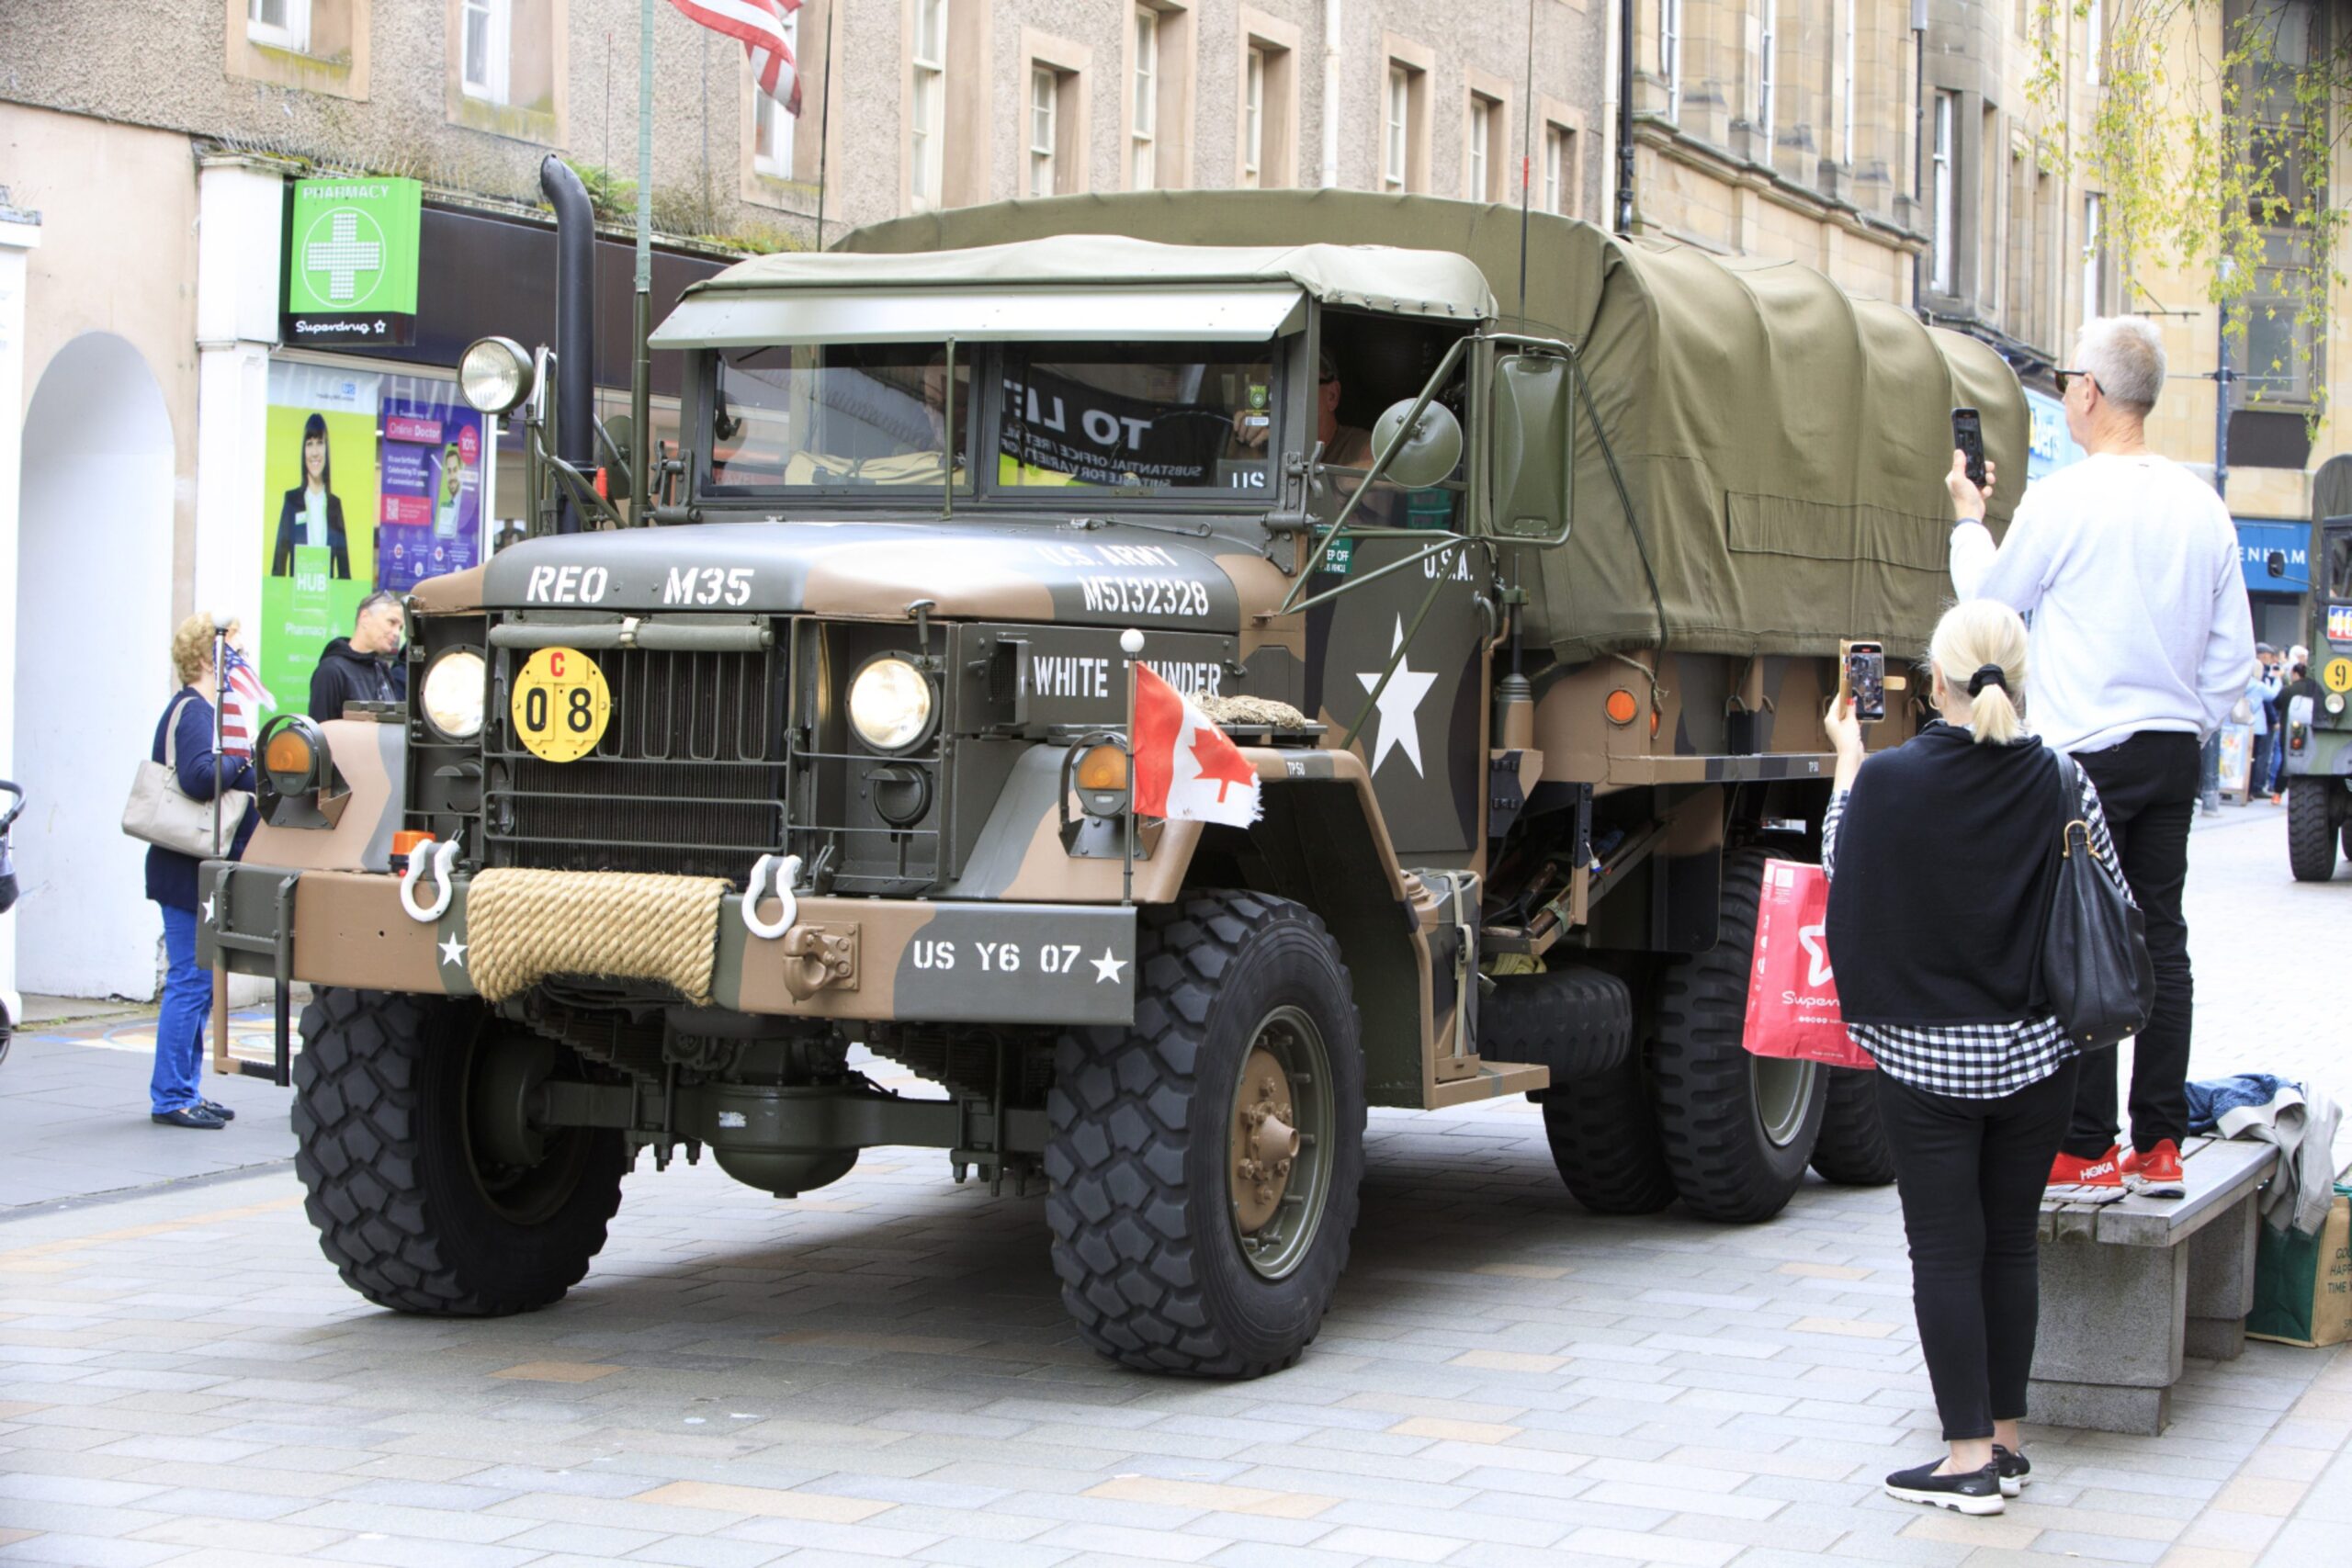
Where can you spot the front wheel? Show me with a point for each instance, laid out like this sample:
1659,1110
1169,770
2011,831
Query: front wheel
1205,1161
2310,829
1738,1129
430,1191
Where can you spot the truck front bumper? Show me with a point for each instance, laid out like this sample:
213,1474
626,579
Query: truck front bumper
907,960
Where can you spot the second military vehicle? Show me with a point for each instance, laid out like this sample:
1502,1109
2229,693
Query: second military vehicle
1523,594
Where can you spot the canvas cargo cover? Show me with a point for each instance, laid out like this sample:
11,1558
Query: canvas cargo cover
1783,443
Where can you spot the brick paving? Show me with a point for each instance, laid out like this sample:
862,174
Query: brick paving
882,1372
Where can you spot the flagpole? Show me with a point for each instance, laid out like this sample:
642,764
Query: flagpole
1131,644
640,391
824,123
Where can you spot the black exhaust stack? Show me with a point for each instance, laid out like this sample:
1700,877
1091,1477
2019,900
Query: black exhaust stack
576,323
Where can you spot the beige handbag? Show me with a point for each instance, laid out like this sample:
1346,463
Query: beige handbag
163,814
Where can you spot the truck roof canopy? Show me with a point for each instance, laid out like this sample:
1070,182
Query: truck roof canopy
1096,286
1783,443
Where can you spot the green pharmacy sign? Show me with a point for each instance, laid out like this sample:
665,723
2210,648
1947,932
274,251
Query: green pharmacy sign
351,261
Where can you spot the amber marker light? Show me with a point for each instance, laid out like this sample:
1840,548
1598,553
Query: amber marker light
407,840
1102,767
1620,707
289,754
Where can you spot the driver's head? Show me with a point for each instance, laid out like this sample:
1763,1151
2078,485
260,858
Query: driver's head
1326,396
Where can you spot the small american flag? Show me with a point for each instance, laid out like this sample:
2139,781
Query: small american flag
762,25
242,705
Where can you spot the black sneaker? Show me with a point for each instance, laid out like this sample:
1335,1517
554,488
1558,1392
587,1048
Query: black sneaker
188,1116
217,1109
2017,1471
1977,1492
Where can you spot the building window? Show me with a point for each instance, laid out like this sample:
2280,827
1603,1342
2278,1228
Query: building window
1559,169
1395,141
1669,54
1767,75
1143,152
2094,258
280,23
1253,119
927,122
1845,95
771,125
1044,85
2094,41
488,44
1945,231
1482,166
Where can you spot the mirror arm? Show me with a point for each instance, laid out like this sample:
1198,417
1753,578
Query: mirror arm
1378,471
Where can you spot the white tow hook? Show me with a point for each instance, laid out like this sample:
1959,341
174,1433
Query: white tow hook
786,870
440,857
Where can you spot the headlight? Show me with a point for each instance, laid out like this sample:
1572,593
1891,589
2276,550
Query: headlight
889,704
495,374
2335,701
452,694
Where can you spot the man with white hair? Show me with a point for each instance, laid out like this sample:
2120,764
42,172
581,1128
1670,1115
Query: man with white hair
2127,565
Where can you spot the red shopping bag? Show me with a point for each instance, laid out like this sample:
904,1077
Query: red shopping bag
1792,995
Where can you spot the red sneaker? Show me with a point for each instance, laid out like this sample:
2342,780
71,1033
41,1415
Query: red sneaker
2157,1172
2103,1174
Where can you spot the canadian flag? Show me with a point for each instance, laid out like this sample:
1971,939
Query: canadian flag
1185,767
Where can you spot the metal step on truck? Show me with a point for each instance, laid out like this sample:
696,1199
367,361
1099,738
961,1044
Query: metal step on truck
813,737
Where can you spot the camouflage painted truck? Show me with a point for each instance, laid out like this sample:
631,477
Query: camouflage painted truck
1524,618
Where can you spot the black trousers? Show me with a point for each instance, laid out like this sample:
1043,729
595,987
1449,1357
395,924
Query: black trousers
1971,1175
2148,788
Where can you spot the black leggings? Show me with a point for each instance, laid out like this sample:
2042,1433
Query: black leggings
1972,1173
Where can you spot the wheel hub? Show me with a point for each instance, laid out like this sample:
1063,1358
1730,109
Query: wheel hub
1265,1143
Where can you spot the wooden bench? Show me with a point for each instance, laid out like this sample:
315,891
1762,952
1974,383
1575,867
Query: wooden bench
2129,1285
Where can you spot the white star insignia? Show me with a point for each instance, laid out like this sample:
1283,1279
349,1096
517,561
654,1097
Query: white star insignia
1399,708
454,952
1107,967
208,911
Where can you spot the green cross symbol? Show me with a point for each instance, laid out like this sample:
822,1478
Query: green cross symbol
342,255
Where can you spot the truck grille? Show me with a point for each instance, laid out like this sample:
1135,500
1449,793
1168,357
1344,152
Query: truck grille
689,779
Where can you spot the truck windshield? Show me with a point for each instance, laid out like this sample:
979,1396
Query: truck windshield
857,417
1138,418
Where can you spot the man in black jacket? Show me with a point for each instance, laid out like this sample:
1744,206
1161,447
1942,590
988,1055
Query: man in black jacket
363,667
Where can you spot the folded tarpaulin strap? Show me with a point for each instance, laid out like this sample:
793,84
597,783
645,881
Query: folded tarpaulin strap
2267,1109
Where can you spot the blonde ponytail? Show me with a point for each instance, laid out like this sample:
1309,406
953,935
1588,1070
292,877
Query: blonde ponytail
1979,648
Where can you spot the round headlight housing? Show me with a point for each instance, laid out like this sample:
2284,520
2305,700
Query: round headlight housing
891,703
2334,702
451,695
495,374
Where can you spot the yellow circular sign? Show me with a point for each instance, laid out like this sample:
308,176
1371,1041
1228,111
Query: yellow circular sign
2337,675
561,705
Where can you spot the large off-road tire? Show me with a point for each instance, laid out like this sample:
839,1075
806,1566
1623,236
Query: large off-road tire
1578,1022
1738,1129
1605,1142
1167,1257
410,1209
2310,829
1852,1150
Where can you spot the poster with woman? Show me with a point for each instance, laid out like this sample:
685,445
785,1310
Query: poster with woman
429,520
319,491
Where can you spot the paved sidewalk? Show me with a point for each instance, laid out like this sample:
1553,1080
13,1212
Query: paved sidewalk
882,1372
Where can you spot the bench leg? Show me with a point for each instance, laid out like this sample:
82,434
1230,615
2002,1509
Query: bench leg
2221,1283
2109,1345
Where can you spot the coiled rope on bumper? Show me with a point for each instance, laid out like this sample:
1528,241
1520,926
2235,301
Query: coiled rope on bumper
523,926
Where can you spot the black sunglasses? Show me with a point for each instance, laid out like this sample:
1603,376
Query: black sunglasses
2063,377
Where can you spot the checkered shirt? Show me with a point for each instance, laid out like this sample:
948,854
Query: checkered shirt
1971,1061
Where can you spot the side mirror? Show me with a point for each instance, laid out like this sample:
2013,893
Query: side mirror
1533,448
1426,448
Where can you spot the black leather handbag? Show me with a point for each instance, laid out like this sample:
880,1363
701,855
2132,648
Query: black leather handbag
2095,965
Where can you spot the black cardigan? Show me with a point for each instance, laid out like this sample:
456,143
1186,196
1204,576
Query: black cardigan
1947,859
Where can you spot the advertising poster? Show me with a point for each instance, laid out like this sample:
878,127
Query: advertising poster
429,514
351,252
319,498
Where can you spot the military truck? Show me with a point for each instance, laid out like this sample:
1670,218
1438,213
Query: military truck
1524,618
2318,732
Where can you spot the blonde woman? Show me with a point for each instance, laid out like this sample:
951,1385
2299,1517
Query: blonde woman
186,725
1943,855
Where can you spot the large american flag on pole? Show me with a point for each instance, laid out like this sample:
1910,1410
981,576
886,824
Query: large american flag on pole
242,700
764,27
